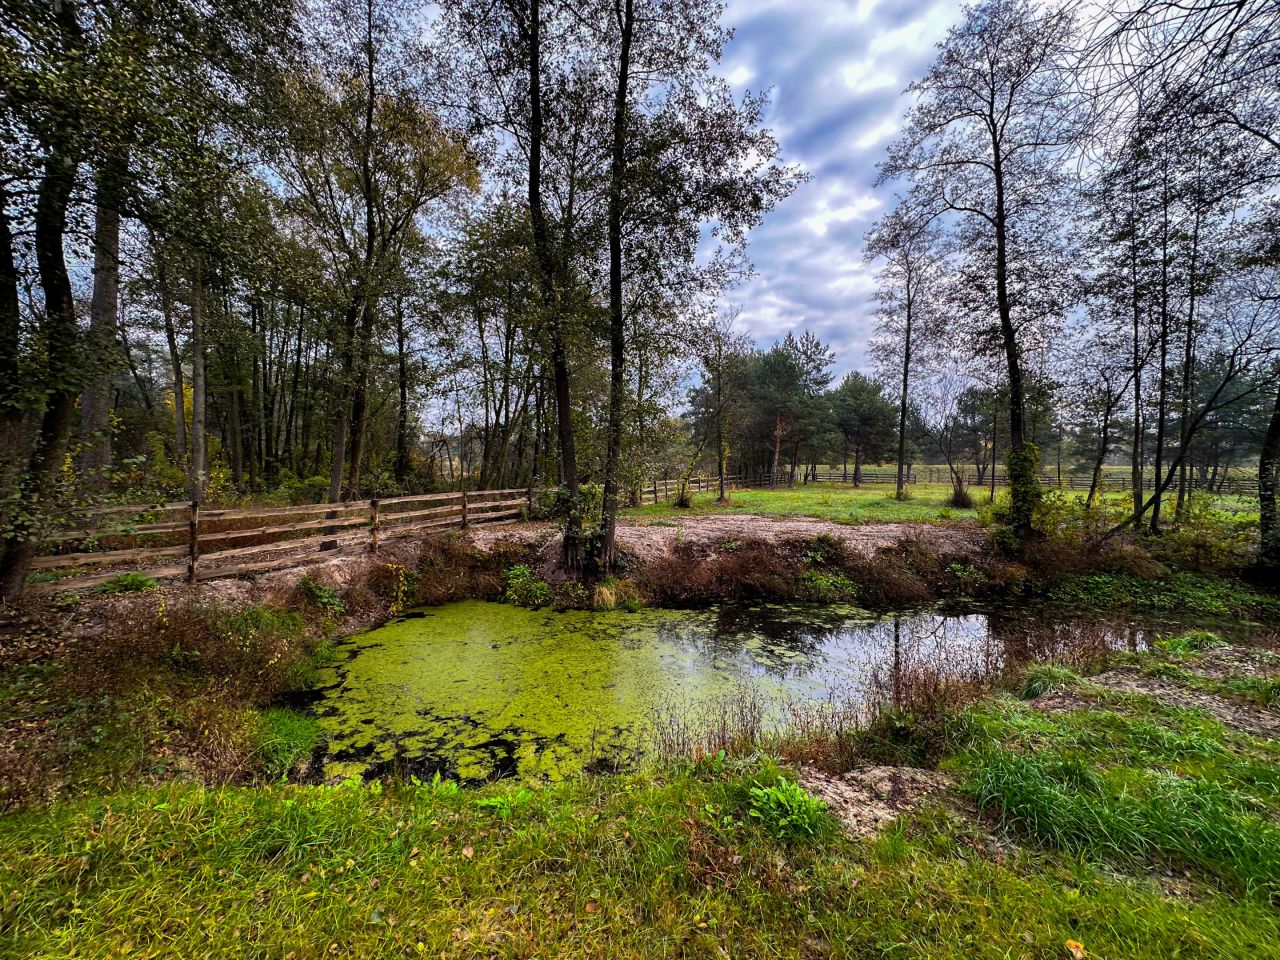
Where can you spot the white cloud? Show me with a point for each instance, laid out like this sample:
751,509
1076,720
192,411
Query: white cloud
862,76
882,131
740,75
820,221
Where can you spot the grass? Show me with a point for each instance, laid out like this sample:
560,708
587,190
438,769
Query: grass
871,503
1131,781
843,504
649,865
285,739
1186,595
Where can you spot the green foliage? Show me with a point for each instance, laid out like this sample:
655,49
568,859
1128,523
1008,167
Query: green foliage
131,582
320,595
505,804
1192,641
1045,678
828,586
968,577
437,786
1208,539
525,588
1024,485
788,811
285,739
1186,594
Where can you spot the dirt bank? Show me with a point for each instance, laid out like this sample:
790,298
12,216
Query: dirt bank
644,541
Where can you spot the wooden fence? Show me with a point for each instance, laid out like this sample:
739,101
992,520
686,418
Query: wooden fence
183,539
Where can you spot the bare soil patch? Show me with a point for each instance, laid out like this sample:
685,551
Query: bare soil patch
867,798
1241,716
1227,663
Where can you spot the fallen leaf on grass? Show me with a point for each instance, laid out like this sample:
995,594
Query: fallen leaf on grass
467,851
1076,949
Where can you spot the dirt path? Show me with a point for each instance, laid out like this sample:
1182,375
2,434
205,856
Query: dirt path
1245,717
645,540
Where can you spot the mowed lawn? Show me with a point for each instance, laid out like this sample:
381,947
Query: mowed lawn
875,503
871,503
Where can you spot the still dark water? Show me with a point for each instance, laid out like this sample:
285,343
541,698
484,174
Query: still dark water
477,690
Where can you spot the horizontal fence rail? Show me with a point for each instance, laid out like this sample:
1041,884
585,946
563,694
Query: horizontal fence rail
198,542
1234,486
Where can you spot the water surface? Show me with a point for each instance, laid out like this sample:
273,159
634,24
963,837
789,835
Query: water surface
478,690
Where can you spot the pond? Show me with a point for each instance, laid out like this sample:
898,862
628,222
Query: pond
478,690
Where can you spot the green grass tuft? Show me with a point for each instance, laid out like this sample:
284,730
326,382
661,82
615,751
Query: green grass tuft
284,740
1047,678
131,582
1191,642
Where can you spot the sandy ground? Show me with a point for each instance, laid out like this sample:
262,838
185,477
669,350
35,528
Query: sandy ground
645,540
865,799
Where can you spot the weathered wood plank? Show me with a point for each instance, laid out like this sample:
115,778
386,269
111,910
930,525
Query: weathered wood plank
57,562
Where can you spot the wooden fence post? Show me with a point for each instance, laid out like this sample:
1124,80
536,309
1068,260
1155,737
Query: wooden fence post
373,525
655,490
464,509
528,500
193,542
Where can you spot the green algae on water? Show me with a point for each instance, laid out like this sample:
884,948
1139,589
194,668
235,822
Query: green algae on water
478,690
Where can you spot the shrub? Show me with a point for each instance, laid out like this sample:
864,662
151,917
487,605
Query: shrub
525,588
788,811
961,498
1209,540
968,577
395,583
829,587
321,595
131,582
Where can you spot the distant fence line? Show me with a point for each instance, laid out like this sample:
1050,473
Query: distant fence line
1243,486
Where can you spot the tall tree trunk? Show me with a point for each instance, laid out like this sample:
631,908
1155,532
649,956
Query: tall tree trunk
903,397
199,467
12,403
547,288
1162,392
64,364
1136,451
360,401
402,465
1024,482
342,397
104,308
1188,370
617,318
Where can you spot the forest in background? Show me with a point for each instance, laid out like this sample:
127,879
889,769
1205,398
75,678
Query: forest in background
343,249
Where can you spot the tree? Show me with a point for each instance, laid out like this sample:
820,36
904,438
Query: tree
982,141
909,243
865,420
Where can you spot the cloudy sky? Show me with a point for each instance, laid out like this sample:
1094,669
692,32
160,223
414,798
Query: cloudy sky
836,69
